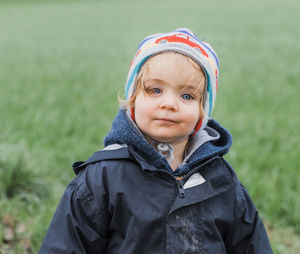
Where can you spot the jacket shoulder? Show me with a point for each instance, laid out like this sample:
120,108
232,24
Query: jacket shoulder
243,200
111,152
219,172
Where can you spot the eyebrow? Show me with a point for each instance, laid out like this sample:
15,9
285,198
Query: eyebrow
154,79
180,87
185,86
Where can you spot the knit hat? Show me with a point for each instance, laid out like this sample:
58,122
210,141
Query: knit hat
185,42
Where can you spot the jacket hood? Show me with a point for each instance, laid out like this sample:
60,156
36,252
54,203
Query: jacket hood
125,131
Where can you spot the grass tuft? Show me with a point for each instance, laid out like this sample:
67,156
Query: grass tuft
16,179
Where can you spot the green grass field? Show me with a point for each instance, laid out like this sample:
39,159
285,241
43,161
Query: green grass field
62,64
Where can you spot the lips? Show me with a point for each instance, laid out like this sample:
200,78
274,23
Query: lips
165,121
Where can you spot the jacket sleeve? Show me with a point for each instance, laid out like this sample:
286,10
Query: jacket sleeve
80,222
247,234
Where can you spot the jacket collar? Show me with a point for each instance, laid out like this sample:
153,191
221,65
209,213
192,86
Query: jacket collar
124,131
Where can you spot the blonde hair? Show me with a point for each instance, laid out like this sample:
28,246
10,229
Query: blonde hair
140,84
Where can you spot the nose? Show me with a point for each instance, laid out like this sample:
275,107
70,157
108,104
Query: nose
169,102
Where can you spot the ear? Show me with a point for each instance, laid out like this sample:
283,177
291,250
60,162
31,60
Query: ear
198,126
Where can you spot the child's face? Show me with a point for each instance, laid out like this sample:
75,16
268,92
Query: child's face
168,109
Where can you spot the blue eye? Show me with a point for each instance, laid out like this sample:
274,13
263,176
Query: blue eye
156,90
187,96
153,90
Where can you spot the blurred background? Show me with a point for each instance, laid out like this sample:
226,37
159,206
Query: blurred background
62,64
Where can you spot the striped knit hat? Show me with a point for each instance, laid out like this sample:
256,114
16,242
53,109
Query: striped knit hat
185,42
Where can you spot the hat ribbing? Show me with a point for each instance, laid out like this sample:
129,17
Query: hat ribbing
185,42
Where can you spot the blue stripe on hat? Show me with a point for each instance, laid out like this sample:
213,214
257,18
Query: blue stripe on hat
134,72
214,55
210,94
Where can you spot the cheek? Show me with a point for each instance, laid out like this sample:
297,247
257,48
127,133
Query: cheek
141,111
142,119
139,114
195,119
193,116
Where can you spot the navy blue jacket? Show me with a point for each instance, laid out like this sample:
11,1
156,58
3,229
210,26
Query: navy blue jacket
127,201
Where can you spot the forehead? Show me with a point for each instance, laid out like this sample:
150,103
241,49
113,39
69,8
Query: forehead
172,66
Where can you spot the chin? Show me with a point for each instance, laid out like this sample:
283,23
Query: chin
165,139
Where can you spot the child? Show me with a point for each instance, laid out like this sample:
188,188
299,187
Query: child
161,184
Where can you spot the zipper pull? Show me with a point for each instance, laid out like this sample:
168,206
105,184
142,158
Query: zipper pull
181,189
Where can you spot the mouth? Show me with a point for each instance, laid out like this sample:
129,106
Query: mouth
165,121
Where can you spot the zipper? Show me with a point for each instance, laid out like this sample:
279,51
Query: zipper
181,189
180,183
196,169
